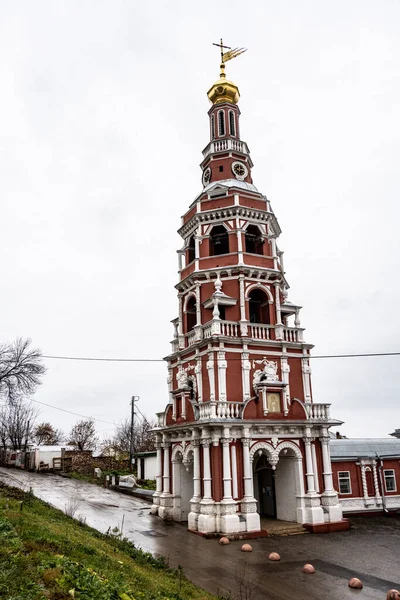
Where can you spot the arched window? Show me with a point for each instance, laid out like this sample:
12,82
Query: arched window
191,314
219,241
254,240
232,128
221,123
213,127
191,250
259,307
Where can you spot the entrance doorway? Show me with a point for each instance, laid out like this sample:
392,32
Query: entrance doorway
265,478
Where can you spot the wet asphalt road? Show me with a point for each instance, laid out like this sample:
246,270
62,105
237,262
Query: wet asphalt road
370,550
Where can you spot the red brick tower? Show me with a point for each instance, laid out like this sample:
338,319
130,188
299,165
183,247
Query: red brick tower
240,436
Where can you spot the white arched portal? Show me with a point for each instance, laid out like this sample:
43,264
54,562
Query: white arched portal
279,480
182,481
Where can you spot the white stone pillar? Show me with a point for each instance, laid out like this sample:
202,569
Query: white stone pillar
326,465
364,481
196,469
166,475
315,467
226,461
274,254
246,367
206,469
306,371
211,375
278,304
309,467
329,499
159,484
247,470
181,338
199,379
285,368
206,520
249,503
198,306
222,366
234,472
243,320
378,497
193,516
166,510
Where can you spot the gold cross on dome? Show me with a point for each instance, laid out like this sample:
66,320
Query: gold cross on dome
231,53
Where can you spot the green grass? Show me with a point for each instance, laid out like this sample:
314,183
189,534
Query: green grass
46,555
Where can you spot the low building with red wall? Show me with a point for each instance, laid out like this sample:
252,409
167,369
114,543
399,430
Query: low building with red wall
366,474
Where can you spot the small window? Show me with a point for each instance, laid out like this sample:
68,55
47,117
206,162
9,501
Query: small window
344,482
221,312
232,129
221,123
191,314
213,127
254,240
191,250
390,480
259,307
221,168
219,241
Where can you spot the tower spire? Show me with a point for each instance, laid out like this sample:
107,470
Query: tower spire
225,56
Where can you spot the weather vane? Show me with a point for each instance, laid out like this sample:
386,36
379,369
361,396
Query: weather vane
225,56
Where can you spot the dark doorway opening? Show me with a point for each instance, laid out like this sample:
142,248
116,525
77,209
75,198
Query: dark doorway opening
266,488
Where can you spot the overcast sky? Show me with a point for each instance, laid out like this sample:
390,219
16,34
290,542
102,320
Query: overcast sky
103,116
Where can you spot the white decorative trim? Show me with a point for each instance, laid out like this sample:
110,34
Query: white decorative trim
259,286
261,446
177,449
290,446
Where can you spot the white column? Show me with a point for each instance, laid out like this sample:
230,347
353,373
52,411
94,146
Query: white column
176,478
364,482
309,467
173,407
274,254
326,465
199,380
378,496
278,304
180,319
207,493
226,460
285,368
198,305
159,486
247,469
315,467
166,476
234,472
211,375
196,470
243,321
222,366
246,367
306,371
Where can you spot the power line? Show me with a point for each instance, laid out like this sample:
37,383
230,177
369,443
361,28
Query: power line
153,360
72,413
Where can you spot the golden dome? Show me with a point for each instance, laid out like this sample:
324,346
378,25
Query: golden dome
223,90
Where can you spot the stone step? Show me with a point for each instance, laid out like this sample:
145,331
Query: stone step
297,529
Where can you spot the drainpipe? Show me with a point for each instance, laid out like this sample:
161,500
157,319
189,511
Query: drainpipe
380,466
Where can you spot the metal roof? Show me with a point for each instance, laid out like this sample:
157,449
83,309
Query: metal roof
364,447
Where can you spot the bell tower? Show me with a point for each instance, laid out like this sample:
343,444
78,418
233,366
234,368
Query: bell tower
240,408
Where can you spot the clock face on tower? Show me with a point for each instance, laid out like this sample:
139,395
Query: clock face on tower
206,176
239,170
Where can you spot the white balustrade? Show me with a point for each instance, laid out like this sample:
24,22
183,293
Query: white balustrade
318,411
223,145
175,345
220,410
292,334
259,332
230,328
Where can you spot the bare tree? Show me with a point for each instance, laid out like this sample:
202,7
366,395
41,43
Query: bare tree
143,439
17,422
21,369
83,435
45,434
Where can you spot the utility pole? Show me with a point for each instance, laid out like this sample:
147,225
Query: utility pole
132,441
